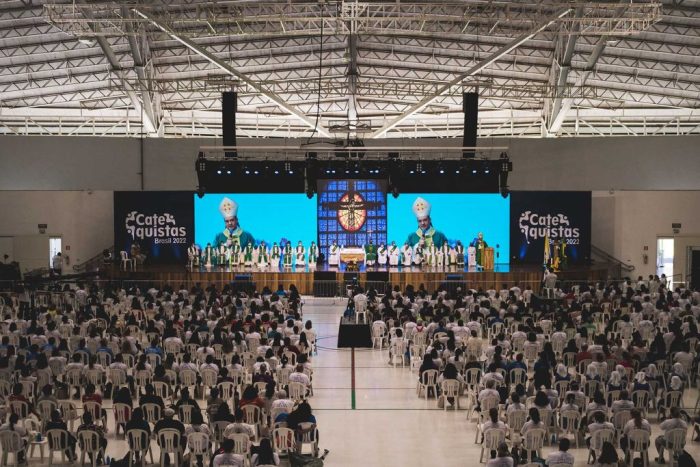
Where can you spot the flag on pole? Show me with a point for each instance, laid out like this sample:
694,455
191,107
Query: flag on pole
546,250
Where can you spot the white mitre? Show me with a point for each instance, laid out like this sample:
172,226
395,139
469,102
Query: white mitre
421,208
228,208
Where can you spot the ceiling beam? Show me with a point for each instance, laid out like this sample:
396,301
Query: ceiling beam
560,112
567,102
151,109
562,68
148,123
506,49
233,72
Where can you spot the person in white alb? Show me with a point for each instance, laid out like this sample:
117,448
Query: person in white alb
406,255
394,253
334,254
382,255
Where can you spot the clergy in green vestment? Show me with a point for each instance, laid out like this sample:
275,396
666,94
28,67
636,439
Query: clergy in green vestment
370,253
480,245
425,231
275,254
313,253
248,254
287,255
232,233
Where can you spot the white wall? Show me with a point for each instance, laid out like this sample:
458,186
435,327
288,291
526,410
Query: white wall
626,221
94,163
83,219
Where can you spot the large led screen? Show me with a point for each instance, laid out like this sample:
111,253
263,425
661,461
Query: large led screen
269,217
351,212
451,217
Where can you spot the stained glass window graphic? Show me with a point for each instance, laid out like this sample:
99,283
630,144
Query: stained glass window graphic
351,212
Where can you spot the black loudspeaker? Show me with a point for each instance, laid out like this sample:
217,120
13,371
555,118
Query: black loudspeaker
351,276
324,275
377,280
228,120
470,106
378,276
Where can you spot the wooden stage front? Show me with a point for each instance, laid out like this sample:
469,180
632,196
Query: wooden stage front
331,277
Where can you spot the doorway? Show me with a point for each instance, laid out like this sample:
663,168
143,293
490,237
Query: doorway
54,247
664,258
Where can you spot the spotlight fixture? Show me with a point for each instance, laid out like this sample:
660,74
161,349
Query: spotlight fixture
218,172
228,172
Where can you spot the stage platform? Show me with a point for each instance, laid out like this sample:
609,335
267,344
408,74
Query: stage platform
330,281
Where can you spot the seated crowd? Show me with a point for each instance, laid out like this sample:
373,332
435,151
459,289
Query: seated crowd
214,376
588,369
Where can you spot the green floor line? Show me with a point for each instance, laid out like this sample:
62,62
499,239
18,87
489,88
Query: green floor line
352,379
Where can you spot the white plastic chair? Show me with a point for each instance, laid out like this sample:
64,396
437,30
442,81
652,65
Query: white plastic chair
638,441
122,414
675,442
139,443
426,381
569,423
533,440
89,442
283,440
198,443
169,443
450,388
488,403
11,443
360,309
600,437
126,261
398,350
297,391
492,438
58,442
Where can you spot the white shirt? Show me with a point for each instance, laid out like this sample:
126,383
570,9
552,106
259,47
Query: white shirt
299,378
229,458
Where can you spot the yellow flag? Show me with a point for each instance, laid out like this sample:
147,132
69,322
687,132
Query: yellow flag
546,249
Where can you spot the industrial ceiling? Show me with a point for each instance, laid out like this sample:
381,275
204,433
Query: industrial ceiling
371,69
